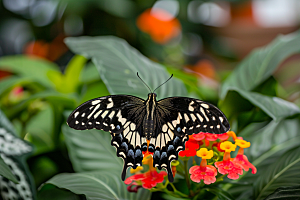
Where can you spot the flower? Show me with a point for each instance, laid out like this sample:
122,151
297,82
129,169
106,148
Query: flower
159,24
233,169
199,136
148,180
190,147
241,159
206,172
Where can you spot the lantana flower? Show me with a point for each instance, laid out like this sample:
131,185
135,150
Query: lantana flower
190,147
204,172
226,166
242,159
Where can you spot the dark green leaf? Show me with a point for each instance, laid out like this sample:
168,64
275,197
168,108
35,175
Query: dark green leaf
221,194
35,69
275,107
261,64
101,185
285,193
118,64
283,172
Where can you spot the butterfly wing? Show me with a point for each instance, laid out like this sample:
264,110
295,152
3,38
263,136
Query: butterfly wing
122,116
178,117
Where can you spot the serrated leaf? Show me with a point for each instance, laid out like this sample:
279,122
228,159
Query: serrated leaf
283,172
35,69
285,193
118,64
261,63
101,185
91,150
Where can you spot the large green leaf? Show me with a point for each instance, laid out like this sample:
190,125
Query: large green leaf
91,150
261,63
101,185
118,64
35,69
283,172
272,138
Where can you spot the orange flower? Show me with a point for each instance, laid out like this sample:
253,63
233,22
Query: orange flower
152,21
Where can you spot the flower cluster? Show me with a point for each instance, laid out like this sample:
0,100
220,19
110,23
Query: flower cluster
213,147
232,167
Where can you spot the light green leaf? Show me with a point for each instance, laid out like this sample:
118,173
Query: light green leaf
283,172
101,185
118,64
261,63
275,107
91,150
35,69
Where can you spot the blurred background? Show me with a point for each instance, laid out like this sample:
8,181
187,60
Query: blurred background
201,38
205,37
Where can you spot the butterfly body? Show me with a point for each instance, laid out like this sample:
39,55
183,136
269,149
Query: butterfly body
165,124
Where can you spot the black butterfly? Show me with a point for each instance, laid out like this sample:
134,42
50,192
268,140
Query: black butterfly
132,121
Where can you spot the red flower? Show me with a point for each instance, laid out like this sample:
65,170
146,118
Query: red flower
148,179
199,136
231,168
211,137
242,160
190,147
208,174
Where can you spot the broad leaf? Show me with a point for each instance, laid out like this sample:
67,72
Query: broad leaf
101,185
272,138
91,150
118,64
221,194
285,193
273,106
261,63
283,172
35,69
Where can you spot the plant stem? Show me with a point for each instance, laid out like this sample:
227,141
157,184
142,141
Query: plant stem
186,174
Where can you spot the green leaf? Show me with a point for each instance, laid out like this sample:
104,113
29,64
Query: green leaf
50,192
6,172
91,150
272,139
285,193
118,64
101,185
261,64
275,107
221,194
35,69
283,172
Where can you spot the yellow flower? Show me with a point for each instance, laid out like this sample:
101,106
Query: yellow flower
204,154
227,146
242,143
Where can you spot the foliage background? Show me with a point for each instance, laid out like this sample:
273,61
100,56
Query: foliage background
44,76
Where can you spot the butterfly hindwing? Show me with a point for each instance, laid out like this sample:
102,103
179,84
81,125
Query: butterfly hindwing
122,116
178,117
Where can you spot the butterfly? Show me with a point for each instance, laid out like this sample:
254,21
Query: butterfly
137,125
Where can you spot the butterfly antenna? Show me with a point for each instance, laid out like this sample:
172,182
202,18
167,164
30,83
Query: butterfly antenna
164,82
144,82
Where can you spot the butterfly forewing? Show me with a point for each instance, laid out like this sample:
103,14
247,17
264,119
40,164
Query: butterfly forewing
188,116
